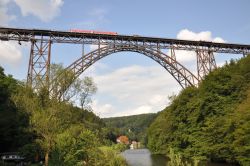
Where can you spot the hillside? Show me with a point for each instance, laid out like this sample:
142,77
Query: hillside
211,122
42,128
132,126
16,104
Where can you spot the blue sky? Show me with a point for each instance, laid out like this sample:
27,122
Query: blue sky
138,84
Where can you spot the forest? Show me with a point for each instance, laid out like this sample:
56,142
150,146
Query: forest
43,128
208,123
134,126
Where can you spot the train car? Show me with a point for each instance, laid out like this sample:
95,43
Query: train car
93,32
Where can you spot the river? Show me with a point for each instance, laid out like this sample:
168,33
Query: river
143,157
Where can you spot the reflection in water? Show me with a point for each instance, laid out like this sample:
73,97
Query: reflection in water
138,157
143,157
159,160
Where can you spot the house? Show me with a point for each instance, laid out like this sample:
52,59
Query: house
135,145
12,157
123,139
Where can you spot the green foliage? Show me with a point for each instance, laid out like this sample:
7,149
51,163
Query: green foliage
31,152
134,127
87,89
76,146
63,80
42,127
119,147
51,121
13,122
241,135
111,157
210,122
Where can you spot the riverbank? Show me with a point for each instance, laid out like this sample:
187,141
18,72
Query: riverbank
143,157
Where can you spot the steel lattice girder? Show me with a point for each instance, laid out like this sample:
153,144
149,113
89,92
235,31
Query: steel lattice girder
38,73
39,64
103,39
205,63
183,76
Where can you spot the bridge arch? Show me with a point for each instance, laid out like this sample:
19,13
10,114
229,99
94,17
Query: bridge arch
181,74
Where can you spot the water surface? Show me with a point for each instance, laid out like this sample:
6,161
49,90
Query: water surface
143,157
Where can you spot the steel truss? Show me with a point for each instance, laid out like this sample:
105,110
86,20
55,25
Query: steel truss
87,38
205,63
182,75
39,64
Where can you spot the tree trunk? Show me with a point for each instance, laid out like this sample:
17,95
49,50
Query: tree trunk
47,158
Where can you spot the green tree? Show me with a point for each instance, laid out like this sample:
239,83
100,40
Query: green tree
63,84
87,89
210,122
13,122
77,146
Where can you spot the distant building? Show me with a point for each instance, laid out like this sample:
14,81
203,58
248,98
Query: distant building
123,139
135,145
12,157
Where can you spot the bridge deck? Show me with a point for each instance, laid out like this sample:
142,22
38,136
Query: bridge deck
90,38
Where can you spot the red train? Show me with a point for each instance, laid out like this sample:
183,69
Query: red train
92,31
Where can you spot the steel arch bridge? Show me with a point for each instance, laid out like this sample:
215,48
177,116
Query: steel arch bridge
41,42
182,75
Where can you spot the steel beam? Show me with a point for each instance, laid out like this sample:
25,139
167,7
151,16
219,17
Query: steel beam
103,39
205,63
39,64
183,76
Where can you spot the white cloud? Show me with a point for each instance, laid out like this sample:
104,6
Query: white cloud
100,109
138,89
93,47
5,17
219,40
183,56
10,53
94,68
185,34
46,10
143,109
133,90
133,78
157,99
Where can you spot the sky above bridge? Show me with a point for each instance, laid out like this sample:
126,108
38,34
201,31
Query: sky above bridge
128,83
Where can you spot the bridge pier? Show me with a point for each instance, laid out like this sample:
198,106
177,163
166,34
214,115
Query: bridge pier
205,63
39,63
172,55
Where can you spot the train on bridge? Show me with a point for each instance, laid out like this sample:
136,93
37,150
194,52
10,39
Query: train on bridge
93,32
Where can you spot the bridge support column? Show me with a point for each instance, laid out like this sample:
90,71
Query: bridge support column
205,63
172,53
39,64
